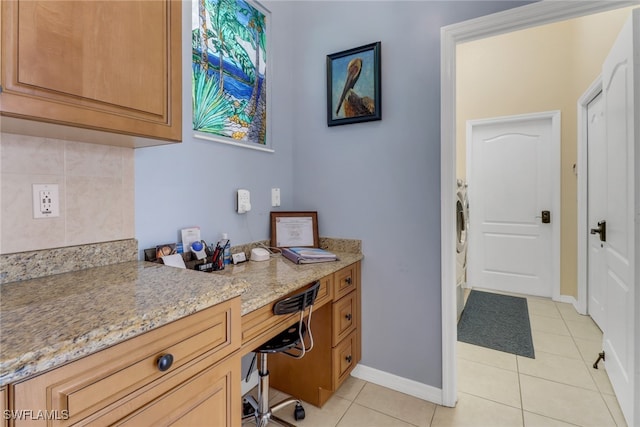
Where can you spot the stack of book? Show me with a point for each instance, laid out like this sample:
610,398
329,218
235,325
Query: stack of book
308,255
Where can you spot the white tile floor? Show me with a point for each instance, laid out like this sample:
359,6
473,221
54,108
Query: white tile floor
557,388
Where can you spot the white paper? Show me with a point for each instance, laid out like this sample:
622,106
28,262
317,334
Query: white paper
190,235
294,231
174,260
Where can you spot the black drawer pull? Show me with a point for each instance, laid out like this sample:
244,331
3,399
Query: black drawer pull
348,316
348,359
164,362
348,280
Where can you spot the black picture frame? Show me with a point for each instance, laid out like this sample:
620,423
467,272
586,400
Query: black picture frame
353,85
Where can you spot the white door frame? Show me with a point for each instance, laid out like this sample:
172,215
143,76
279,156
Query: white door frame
531,15
582,166
555,207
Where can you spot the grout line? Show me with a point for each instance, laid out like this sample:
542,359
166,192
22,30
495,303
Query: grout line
561,383
385,414
489,400
555,419
520,390
351,402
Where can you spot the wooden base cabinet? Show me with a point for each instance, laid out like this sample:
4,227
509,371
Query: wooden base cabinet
3,407
112,66
337,345
135,384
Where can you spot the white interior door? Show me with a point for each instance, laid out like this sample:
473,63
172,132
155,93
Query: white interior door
621,96
596,207
513,170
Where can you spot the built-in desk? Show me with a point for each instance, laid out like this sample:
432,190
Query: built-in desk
335,321
87,345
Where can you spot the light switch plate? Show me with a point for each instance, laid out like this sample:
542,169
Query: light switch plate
275,197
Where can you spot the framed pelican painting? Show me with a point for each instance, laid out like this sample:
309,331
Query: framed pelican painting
353,85
230,66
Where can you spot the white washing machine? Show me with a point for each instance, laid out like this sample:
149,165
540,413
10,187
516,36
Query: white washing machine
462,230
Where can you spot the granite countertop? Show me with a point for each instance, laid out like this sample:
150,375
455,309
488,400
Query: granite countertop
48,321
52,320
273,279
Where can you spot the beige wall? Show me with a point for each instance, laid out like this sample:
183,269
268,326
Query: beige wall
96,185
538,69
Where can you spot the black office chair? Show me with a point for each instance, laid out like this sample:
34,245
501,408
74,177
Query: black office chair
290,342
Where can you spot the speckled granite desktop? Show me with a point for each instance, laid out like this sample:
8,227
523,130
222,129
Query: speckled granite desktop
51,320
45,262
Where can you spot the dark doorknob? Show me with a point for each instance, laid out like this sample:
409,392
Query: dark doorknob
546,217
601,230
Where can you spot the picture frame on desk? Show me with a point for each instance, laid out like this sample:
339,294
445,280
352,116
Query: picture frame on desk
294,228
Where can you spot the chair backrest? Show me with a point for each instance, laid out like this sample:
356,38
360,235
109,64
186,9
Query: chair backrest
297,302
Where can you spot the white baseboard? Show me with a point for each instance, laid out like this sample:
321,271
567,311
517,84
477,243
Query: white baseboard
394,382
570,300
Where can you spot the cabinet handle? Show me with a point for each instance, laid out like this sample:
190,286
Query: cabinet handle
348,316
348,280
164,362
348,359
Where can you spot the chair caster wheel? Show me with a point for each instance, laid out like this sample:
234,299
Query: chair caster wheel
247,408
298,413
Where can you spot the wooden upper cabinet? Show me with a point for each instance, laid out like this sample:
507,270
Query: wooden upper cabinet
113,66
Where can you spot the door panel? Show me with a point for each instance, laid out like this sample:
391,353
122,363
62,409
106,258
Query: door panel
596,200
510,182
621,94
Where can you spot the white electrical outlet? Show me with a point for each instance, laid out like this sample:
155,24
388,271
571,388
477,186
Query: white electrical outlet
275,197
46,201
243,201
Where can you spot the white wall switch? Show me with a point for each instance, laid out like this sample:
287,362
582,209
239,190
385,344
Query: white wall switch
46,201
275,197
243,201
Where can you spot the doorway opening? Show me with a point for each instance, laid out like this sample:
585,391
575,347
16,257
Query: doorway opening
524,17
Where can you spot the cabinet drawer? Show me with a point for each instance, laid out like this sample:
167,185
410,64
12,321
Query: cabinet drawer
344,360
95,382
261,325
210,398
345,281
325,292
344,317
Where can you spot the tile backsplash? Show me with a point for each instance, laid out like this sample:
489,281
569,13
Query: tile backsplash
96,188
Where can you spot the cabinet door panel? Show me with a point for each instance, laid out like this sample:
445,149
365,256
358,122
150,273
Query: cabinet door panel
111,66
209,398
70,48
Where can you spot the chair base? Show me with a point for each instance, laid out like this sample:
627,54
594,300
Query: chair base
263,418
262,413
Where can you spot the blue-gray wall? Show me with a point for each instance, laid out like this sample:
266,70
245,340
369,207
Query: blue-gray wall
194,183
375,181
